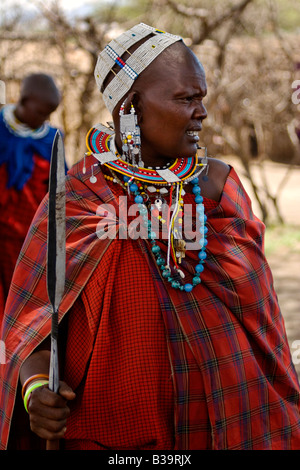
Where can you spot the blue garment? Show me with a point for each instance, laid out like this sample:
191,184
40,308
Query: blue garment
17,152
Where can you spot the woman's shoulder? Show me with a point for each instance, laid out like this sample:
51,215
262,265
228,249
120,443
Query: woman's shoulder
218,168
212,186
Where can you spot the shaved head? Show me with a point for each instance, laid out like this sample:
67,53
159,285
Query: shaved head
176,56
39,98
40,86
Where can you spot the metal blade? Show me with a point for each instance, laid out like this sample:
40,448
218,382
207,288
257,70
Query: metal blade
56,257
56,254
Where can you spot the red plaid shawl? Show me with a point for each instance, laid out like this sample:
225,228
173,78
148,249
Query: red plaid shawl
227,336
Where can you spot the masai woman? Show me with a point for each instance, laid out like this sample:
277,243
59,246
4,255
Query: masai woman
171,334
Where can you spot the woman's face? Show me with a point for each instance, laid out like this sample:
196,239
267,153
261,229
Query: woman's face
170,108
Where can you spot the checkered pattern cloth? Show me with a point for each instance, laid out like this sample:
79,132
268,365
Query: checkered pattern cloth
129,381
17,208
226,340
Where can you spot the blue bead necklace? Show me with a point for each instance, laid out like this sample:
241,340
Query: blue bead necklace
161,261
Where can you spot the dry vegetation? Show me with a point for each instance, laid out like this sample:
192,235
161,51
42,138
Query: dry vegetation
250,67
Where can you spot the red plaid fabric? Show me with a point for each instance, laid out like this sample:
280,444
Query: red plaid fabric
17,209
234,383
135,404
129,376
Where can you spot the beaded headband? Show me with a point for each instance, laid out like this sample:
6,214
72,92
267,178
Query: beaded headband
138,60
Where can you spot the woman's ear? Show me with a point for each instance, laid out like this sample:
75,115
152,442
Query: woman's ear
131,99
136,101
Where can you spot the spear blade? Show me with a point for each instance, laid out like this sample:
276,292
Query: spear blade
56,249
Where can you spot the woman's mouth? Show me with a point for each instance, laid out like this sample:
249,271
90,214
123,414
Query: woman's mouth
194,135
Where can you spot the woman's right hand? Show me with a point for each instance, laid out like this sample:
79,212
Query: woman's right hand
48,411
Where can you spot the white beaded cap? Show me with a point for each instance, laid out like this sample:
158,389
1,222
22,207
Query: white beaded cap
134,65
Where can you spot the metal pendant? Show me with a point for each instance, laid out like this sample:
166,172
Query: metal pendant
180,247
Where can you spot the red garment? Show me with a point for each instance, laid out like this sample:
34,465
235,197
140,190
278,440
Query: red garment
17,209
127,398
226,339
133,407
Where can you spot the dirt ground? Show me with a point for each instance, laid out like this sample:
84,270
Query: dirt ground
285,259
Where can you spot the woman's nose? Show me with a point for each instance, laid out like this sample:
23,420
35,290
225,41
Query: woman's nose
200,111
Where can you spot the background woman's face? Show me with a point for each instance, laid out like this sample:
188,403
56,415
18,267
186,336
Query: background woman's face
35,111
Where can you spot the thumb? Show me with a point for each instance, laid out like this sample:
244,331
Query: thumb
65,391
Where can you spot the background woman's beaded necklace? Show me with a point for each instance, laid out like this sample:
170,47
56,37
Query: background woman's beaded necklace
20,129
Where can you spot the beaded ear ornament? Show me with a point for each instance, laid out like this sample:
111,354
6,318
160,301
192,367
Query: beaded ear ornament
131,137
148,183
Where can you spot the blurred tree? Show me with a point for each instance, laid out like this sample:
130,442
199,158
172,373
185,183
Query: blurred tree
248,57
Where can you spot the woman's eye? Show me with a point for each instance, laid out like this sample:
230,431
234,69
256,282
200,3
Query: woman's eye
194,98
189,99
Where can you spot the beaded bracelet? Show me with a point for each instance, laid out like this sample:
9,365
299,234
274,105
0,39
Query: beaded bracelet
30,379
30,390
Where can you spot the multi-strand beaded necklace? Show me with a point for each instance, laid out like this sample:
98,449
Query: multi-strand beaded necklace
150,188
